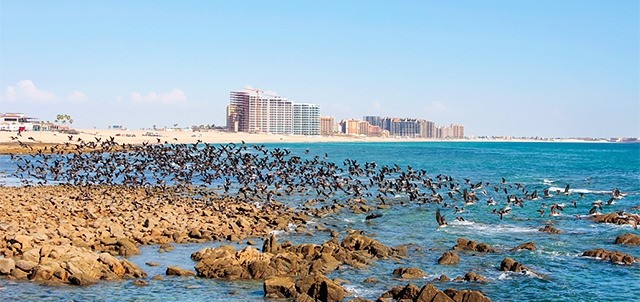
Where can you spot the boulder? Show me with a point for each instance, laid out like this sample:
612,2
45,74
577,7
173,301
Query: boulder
449,258
473,277
430,293
320,288
464,244
613,256
20,243
324,264
408,273
466,295
26,265
442,278
629,239
126,248
510,265
6,266
614,218
549,229
270,244
525,246
359,242
177,271
279,287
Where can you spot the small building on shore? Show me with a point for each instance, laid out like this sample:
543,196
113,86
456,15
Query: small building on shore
21,122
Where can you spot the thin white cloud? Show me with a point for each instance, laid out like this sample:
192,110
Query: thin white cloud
175,96
78,96
377,105
26,91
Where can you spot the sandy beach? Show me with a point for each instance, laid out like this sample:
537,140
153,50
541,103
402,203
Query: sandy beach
137,137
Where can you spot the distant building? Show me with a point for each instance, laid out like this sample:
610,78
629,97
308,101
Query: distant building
17,122
306,119
327,125
374,120
253,111
350,126
458,131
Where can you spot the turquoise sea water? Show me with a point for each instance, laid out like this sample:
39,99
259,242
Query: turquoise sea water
594,169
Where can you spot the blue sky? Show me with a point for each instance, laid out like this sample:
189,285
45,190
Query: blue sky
522,68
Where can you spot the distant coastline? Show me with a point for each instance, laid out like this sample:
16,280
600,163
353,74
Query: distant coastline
135,137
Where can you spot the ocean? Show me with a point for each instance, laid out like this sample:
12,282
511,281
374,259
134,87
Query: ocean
593,169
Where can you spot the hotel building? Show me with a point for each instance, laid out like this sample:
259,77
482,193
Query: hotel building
254,111
306,119
327,125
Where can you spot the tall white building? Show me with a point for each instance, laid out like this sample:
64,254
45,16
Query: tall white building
306,119
253,111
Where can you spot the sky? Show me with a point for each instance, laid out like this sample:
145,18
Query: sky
519,68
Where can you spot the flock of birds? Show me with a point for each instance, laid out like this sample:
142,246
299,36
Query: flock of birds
258,174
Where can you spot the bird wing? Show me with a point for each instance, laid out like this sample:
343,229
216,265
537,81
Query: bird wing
439,218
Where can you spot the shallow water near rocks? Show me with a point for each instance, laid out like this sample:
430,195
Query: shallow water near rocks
591,168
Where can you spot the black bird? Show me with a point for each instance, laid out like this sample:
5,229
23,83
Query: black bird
442,222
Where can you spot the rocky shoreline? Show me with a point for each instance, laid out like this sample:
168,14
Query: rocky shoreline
81,234
75,235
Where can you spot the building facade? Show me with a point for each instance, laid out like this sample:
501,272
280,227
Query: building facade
327,125
253,111
306,119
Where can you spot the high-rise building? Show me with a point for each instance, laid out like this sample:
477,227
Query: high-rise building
427,129
306,119
458,131
254,111
350,126
327,125
374,120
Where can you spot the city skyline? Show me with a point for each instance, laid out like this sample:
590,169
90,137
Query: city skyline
549,69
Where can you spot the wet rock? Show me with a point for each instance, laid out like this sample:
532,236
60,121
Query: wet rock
177,271
126,248
358,242
430,293
81,280
449,258
464,244
411,292
549,229
443,278
510,265
152,263
408,273
628,239
320,288
157,278
466,295
525,246
165,248
279,287
371,280
270,244
140,283
472,277
614,218
613,256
